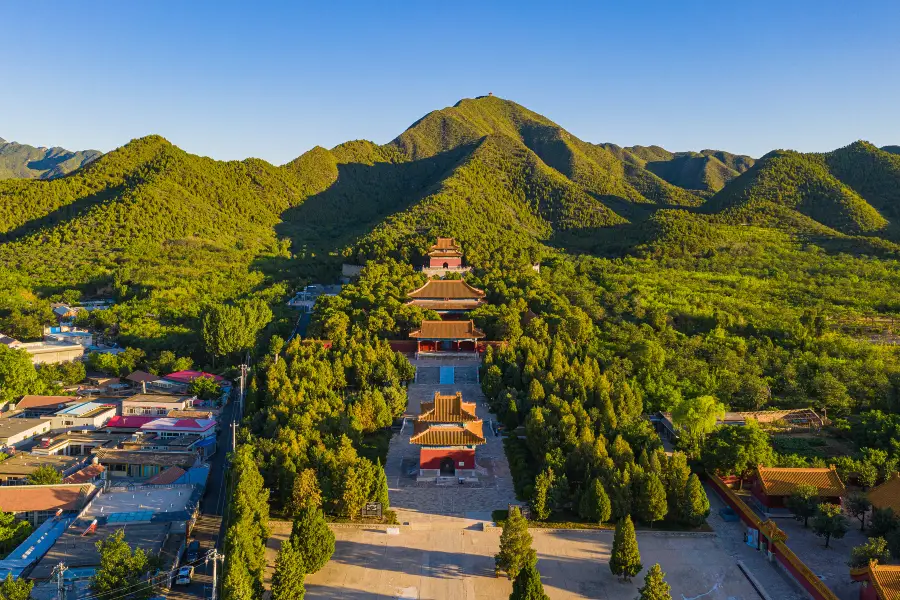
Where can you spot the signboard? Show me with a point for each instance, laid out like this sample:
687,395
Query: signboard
523,508
372,510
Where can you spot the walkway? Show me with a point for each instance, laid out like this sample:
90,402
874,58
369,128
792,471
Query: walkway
425,504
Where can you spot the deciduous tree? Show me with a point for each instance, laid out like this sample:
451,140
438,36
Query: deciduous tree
829,522
803,502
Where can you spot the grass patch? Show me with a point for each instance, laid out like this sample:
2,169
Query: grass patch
388,517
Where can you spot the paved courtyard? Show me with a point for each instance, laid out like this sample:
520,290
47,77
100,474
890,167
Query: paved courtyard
458,564
454,505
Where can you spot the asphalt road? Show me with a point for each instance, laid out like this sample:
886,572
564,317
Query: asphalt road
208,529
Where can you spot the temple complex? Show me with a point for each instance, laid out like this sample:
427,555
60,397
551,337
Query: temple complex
448,297
447,432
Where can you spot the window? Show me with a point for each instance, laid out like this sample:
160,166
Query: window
161,411
119,468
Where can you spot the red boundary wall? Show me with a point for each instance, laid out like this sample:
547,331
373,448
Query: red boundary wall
773,540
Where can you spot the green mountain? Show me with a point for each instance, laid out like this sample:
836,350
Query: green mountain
852,190
20,161
167,233
703,172
891,149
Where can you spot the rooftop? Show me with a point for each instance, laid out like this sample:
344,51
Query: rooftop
174,424
887,495
45,401
783,481
167,477
447,330
85,475
24,498
143,376
443,435
159,398
86,409
885,579
24,463
448,409
143,499
128,422
17,425
146,457
447,289
189,376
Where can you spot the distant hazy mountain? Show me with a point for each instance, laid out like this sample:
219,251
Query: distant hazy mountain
20,161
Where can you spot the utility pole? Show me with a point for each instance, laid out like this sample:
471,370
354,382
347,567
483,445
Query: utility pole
61,581
233,435
215,558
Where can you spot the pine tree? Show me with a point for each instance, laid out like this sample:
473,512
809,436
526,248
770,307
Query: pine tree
516,552
677,474
541,500
287,582
511,416
313,539
380,488
595,505
652,501
695,508
305,492
625,558
528,586
655,586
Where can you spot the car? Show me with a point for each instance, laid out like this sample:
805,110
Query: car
185,574
192,552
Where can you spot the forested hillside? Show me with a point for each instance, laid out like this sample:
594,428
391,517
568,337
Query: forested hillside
170,236
21,161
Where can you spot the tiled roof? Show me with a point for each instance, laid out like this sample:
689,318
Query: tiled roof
885,579
26,498
146,457
887,495
170,475
783,481
447,330
172,424
143,376
85,475
439,305
444,243
448,409
189,376
446,289
447,436
445,247
129,422
44,401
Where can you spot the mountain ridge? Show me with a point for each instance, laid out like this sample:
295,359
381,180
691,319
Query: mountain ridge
21,161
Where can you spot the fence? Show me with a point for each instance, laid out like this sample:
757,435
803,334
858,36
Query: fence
774,540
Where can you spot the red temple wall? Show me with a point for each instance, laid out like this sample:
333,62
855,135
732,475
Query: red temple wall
430,458
437,262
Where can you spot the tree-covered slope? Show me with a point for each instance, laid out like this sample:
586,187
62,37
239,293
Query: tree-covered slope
801,183
21,161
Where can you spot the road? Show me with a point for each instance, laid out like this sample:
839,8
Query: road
208,529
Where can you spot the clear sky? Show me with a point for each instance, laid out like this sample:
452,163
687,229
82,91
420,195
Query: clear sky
271,80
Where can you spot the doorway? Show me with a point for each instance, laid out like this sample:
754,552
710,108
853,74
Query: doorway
448,467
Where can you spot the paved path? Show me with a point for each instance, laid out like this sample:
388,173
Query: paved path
425,504
731,538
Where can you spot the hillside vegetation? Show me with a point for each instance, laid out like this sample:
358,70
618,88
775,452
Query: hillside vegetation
169,234
21,161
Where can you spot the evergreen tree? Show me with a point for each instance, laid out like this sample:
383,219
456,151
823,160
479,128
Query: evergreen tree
541,501
595,505
516,552
625,558
677,474
511,415
287,582
245,540
305,492
652,502
655,586
380,488
15,588
313,539
696,503
528,586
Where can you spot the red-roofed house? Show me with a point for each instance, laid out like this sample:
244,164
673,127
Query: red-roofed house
126,423
167,427
37,503
45,405
89,474
179,381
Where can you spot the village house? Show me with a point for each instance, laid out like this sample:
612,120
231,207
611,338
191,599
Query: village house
772,485
142,464
81,417
447,431
37,406
157,405
17,431
37,503
16,469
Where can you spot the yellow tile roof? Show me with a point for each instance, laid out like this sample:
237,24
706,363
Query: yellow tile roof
447,330
885,579
447,436
448,409
446,289
439,305
887,495
783,481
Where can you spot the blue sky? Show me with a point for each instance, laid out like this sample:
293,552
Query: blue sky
271,80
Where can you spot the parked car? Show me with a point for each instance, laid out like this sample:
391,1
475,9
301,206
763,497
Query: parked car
192,552
185,574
